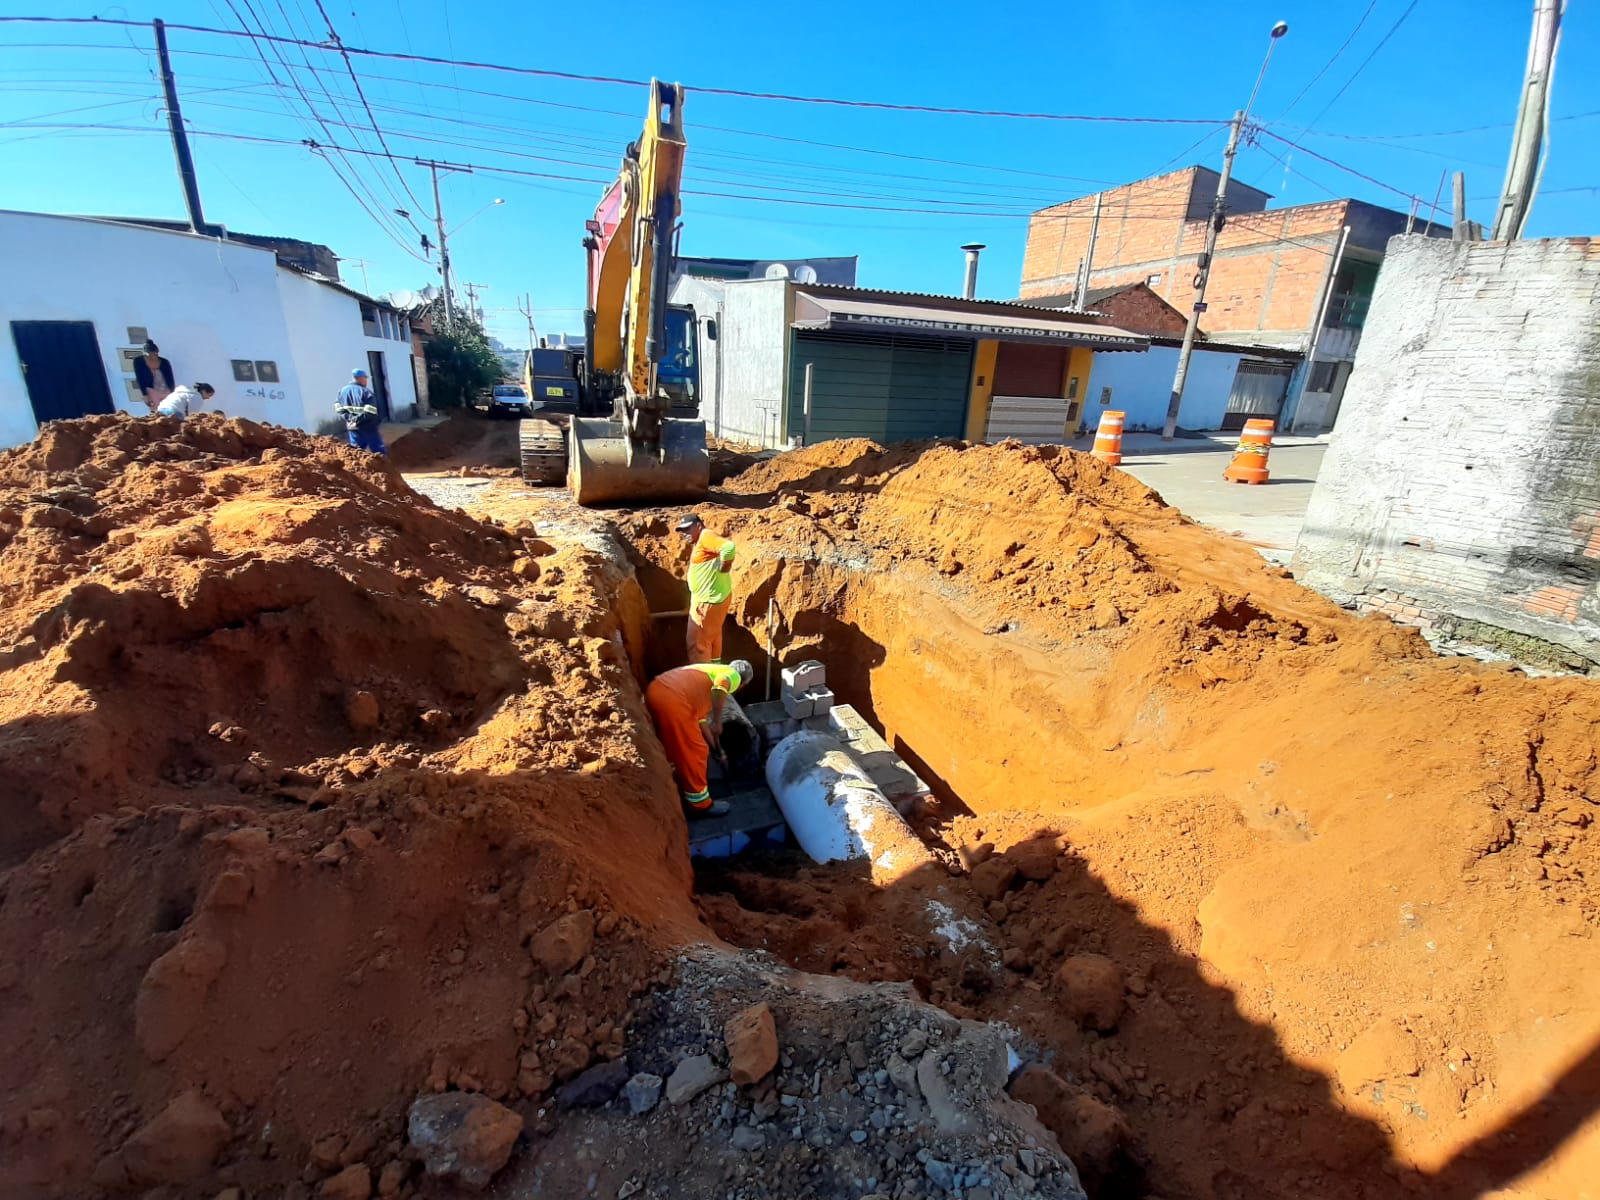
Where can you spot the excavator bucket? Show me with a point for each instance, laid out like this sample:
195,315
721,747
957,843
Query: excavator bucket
599,471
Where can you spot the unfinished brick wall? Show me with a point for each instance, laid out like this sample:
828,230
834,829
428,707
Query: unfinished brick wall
1142,311
1267,277
1463,481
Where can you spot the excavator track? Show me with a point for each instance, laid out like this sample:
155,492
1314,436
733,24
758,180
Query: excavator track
543,445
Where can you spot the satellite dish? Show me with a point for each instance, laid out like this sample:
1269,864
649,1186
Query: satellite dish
777,271
805,273
405,299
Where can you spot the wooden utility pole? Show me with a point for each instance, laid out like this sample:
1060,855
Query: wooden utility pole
180,136
1527,132
1202,273
1088,258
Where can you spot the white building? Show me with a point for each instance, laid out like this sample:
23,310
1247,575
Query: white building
81,296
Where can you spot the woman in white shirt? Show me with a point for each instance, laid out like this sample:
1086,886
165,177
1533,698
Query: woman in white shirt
182,398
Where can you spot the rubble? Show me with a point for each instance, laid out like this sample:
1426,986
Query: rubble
463,1137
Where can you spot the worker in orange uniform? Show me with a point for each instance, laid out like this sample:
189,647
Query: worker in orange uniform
686,705
710,588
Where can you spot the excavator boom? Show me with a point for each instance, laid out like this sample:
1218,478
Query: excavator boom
639,452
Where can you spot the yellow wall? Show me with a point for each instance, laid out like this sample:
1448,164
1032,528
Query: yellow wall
982,388
1078,363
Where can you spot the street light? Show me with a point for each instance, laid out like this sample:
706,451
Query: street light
1218,218
475,216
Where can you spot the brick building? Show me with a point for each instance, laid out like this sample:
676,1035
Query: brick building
1275,270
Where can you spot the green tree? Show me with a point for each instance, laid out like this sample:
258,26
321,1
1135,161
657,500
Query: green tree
460,362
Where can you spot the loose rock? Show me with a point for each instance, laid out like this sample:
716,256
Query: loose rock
693,1076
463,1135
752,1041
642,1093
352,1183
1091,987
596,1086
565,942
179,1145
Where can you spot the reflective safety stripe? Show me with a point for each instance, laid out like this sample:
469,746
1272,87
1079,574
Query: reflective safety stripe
697,799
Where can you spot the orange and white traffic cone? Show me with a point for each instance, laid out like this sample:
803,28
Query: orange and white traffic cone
1108,437
1249,463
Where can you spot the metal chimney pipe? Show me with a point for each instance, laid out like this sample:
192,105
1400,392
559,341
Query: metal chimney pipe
970,288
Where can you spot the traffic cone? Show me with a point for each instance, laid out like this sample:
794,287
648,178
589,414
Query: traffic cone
1249,463
1108,437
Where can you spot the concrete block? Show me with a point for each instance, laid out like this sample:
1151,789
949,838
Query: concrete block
796,705
804,676
821,701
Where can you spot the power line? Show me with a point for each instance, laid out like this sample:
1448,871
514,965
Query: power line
1388,187
612,79
1325,66
333,34
369,202
1383,41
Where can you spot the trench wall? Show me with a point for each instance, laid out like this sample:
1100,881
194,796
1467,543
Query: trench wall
1461,485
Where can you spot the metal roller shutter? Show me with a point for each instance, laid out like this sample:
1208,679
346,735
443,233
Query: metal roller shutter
880,386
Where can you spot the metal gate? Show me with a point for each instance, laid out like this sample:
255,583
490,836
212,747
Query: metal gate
62,365
1258,391
881,386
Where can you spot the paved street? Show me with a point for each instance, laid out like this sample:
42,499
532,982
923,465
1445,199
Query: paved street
1188,473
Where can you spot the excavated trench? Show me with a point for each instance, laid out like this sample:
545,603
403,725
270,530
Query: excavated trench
1165,790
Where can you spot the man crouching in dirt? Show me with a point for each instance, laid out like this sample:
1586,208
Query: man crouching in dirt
710,588
686,706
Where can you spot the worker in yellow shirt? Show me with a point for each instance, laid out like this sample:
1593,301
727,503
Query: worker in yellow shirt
710,588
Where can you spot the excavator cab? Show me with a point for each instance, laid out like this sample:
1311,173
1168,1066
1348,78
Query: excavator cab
641,355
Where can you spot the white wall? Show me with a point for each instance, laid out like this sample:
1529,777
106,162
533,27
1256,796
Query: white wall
744,372
205,302
1141,386
325,329
754,330
1461,481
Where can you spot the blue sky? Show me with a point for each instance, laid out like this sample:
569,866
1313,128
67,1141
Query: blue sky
772,178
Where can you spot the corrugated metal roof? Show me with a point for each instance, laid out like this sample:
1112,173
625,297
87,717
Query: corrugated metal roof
853,308
834,289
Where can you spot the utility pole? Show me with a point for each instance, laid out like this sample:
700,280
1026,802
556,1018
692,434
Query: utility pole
1219,218
1088,259
444,250
1533,113
525,307
473,310
1202,275
180,136
438,224
1460,231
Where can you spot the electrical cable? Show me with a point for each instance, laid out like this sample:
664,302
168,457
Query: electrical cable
1325,66
333,34
611,79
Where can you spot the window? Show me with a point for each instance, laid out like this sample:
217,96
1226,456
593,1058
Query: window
1321,376
1154,280
369,321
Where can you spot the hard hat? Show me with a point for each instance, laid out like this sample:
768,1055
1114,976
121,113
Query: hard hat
688,523
358,373
746,671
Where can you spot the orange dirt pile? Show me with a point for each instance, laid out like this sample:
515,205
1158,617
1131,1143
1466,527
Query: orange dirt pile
1348,887
310,791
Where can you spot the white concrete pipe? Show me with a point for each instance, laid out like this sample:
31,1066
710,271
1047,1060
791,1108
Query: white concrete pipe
835,811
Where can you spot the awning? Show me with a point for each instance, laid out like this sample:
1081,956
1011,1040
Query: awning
839,313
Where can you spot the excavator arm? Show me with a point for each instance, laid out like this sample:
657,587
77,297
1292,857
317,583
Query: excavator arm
638,452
